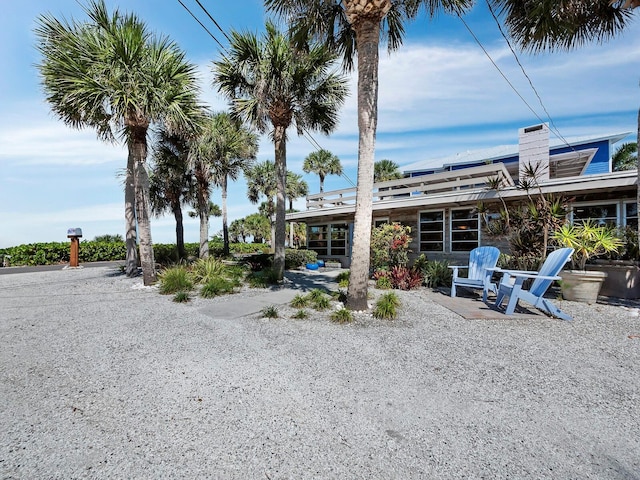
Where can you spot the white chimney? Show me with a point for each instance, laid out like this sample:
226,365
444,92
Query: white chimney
534,150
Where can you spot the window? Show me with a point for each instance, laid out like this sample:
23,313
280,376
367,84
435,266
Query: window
602,214
329,240
339,234
380,221
318,239
431,226
631,214
464,230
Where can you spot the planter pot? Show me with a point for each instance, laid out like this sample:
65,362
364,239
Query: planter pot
581,286
332,264
623,280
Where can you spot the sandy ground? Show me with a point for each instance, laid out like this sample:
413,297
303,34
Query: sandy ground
102,378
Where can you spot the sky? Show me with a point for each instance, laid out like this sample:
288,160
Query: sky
439,95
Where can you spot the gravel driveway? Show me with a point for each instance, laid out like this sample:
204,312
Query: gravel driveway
100,378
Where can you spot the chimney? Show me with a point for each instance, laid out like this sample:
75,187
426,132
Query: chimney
534,150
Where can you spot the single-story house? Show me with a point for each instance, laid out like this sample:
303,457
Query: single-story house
438,198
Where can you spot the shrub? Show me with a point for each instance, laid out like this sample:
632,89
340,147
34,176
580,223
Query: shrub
390,246
216,286
404,278
181,297
344,275
294,258
300,301
386,307
263,278
259,261
270,312
437,274
300,314
342,316
321,303
175,279
206,269
383,282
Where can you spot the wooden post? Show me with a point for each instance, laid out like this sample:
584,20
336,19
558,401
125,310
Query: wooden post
74,234
75,249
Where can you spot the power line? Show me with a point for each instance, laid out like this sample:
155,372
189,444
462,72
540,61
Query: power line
214,21
201,24
551,122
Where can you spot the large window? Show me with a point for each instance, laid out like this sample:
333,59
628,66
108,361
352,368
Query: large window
318,239
339,235
601,213
329,240
432,231
464,230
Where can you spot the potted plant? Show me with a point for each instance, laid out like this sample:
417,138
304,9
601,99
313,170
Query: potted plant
623,272
589,240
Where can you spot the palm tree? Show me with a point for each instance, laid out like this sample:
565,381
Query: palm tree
625,157
231,148
257,226
261,182
111,74
238,230
384,170
296,188
322,162
350,26
272,85
171,182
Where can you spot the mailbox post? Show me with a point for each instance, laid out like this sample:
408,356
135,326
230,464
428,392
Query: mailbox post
74,234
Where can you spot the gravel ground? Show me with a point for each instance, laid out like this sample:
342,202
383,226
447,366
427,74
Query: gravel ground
103,378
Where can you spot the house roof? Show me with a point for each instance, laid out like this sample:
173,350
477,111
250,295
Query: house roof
503,151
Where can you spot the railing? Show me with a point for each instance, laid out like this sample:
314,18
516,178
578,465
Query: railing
424,185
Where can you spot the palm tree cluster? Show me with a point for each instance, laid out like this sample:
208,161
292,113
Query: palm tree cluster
111,74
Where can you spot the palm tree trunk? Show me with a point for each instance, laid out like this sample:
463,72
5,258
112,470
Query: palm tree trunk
638,180
177,214
131,237
203,214
367,37
281,186
139,146
225,228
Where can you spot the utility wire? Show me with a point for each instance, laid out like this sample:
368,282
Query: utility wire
498,68
214,21
201,24
506,39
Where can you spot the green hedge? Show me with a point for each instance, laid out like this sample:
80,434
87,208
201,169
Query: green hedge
52,253
294,258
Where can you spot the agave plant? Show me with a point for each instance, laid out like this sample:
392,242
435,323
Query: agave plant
588,240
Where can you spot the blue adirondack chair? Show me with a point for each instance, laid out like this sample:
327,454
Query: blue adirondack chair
542,281
482,261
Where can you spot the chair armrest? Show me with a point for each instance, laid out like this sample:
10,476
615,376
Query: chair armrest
458,266
513,272
532,275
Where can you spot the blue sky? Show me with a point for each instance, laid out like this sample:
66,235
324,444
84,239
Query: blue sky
439,95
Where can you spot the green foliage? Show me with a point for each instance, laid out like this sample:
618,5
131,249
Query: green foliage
175,279
437,274
206,269
246,248
117,238
262,278
216,286
316,293
343,279
300,301
342,316
383,282
630,249
294,258
270,312
390,246
386,307
167,253
300,314
259,261
321,303
589,240
181,297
